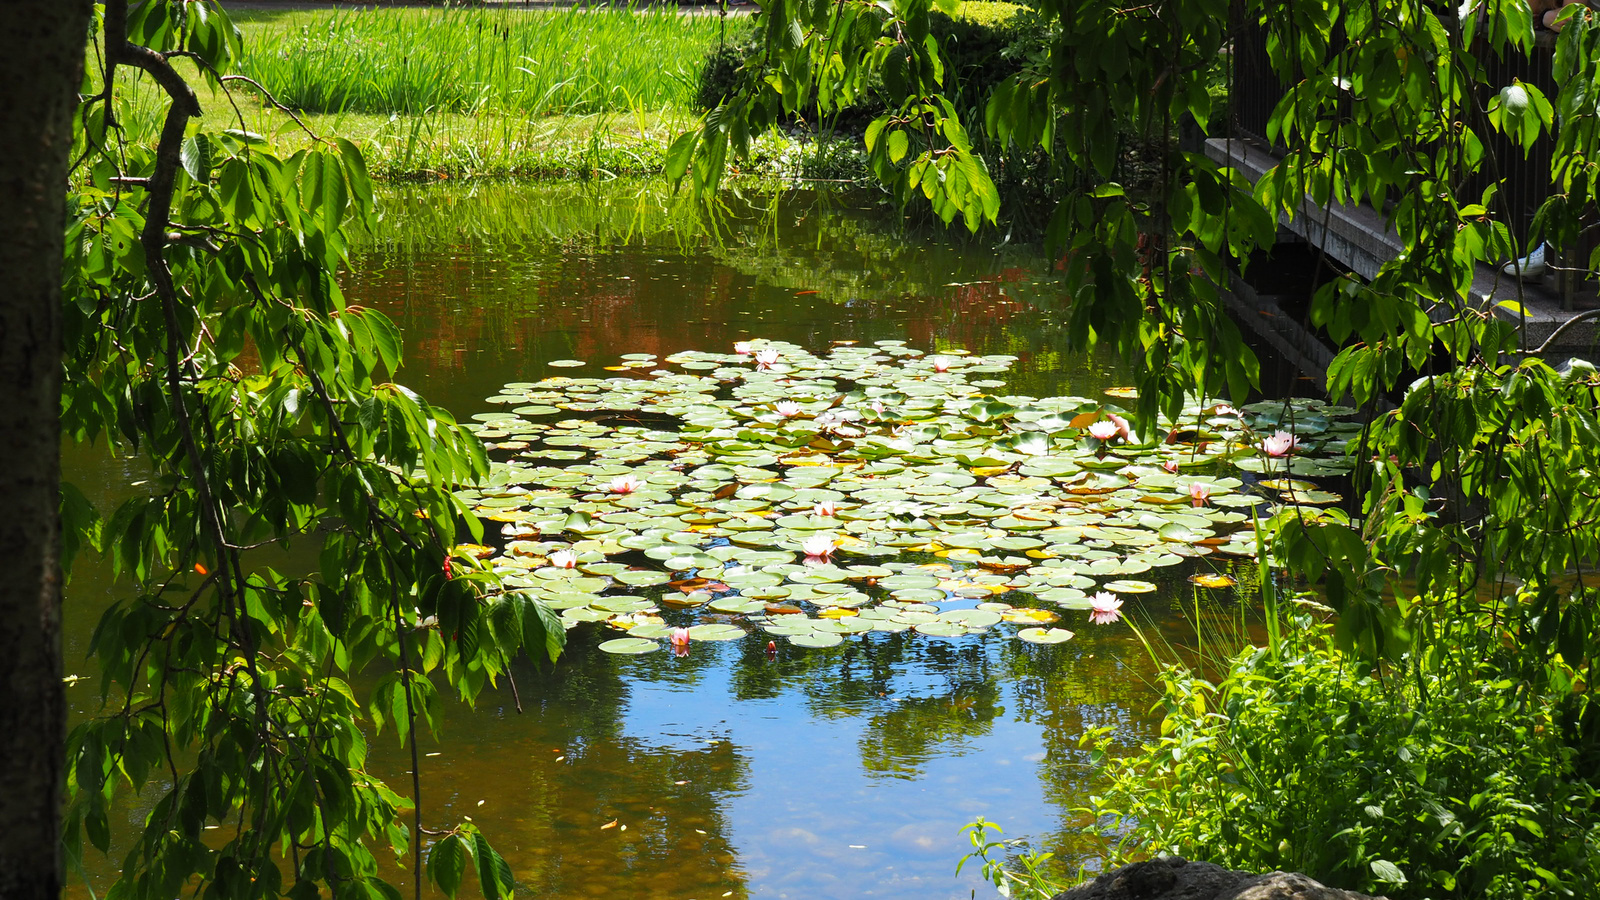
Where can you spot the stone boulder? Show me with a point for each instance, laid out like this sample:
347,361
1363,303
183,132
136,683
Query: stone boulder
1175,878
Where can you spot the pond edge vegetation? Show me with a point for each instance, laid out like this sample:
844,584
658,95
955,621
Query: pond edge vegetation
1458,584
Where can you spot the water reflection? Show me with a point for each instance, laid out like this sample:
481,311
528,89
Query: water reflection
841,773
490,283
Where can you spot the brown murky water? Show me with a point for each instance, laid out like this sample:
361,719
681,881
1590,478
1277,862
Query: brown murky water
839,773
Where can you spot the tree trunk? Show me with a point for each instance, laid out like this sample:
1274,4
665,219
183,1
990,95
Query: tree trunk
42,46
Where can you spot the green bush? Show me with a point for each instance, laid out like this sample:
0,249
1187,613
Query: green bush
722,69
974,41
1413,786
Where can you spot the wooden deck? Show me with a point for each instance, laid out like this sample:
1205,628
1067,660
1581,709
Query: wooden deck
1359,239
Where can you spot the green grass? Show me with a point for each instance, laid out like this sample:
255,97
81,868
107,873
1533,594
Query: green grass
466,60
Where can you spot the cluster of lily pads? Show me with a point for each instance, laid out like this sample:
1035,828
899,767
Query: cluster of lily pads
873,488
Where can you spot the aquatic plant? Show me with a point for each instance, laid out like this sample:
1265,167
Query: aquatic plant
1278,444
1104,608
916,500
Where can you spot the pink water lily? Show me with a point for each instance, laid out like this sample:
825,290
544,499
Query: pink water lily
818,547
1123,428
787,408
624,484
1171,466
741,347
766,359
1199,492
877,407
941,363
1280,444
1103,430
825,508
564,559
1104,608
680,642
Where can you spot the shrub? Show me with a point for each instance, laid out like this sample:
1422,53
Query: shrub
1418,787
975,41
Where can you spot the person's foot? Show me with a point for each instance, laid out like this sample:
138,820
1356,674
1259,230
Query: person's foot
1530,266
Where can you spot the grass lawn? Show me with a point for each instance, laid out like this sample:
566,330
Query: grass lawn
431,93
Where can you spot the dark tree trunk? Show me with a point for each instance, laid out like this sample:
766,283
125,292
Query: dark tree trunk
41,64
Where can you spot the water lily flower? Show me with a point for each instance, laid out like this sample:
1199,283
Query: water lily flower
766,359
1171,466
1223,409
624,484
787,408
1104,608
564,559
825,508
818,547
741,347
877,408
1199,492
1103,430
941,363
1123,428
1280,444
680,642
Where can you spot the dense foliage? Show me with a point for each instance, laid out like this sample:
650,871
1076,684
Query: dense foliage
205,332
1433,787
1476,488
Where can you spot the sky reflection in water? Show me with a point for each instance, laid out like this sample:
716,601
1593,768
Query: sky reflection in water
839,773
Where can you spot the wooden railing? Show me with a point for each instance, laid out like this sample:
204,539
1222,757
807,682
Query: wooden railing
1256,91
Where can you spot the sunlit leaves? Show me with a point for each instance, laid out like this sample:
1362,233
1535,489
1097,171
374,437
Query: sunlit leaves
266,411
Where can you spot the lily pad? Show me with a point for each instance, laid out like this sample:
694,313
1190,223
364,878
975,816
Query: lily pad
716,631
1045,635
629,646
816,639
1130,587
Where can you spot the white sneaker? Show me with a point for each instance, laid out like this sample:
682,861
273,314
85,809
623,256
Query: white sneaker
1530,266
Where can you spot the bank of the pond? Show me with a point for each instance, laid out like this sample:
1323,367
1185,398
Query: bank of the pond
481,92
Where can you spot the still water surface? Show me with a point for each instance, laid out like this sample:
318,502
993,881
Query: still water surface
839,773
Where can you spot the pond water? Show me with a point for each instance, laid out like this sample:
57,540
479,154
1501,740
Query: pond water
844,772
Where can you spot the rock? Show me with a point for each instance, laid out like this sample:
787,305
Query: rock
1175,878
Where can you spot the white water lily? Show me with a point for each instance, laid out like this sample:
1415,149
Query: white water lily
819,546
787,408
624,484
766,359
1103,430
564,559
1104,608
1280,444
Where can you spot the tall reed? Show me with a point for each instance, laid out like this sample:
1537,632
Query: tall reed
534,62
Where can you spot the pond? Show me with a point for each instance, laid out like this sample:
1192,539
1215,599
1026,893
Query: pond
742,769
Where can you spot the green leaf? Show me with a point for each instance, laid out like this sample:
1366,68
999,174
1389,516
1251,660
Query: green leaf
679,155
494,874
898,142
446,863
1387,872
198,156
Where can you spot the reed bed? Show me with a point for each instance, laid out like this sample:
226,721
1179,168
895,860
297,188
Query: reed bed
469,60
